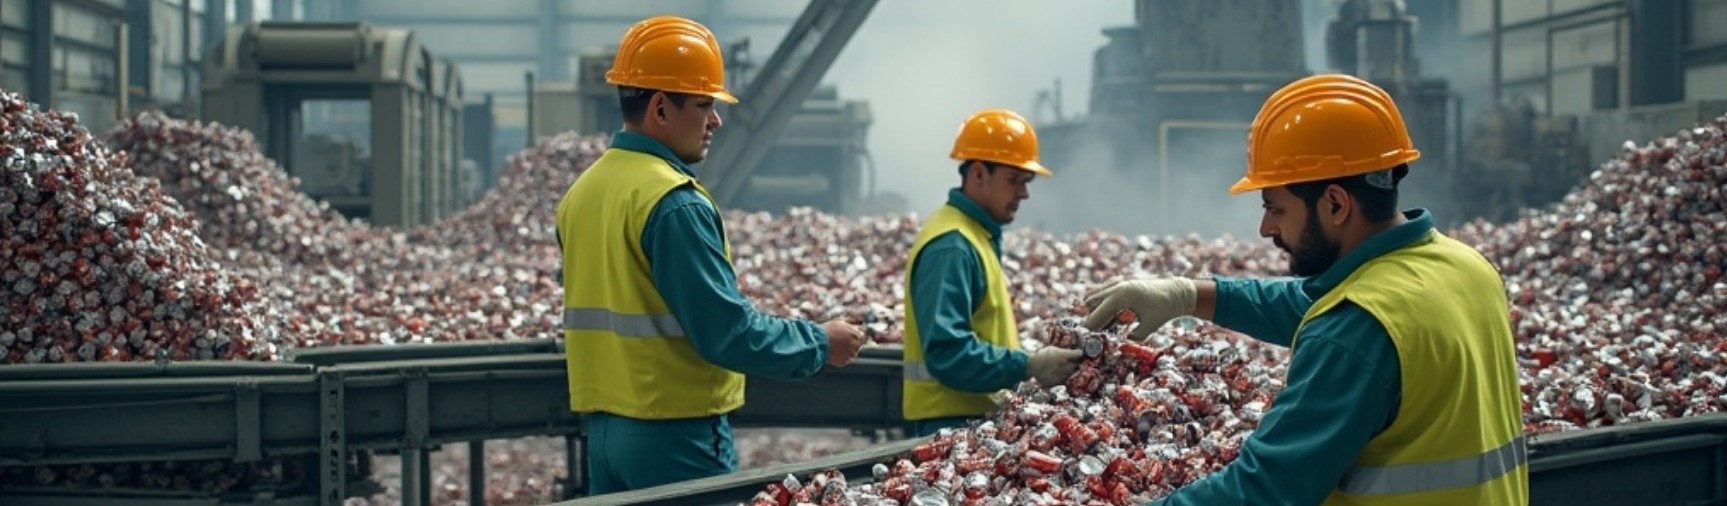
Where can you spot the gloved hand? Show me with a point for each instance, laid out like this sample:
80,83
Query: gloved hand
1154,302
1051,366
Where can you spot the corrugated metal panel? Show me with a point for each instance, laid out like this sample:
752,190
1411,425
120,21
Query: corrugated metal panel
1707,25
1590,45
1525,54
453,9
450,40
1706,82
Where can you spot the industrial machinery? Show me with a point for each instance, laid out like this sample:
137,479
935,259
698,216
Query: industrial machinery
1172,96
817,156
369,120
1669,462
333,405
1171,99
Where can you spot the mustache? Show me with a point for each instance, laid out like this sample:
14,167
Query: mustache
1278,241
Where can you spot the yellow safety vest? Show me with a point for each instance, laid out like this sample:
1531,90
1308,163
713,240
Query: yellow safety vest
1458,437
627,354
993,321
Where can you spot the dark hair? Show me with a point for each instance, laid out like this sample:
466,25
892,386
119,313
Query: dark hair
965,167
633,101
1377,203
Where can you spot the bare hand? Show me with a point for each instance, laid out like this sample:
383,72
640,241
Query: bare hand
844,342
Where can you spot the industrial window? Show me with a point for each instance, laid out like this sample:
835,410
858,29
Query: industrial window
1706,28
14,48
166,42
171,83
15,13
15,80
83,70
83,25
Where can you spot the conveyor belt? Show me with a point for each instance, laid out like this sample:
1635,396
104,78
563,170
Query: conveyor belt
1668,462
332,402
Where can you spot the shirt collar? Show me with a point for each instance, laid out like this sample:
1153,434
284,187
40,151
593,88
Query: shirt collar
1418,228
958,200
636,141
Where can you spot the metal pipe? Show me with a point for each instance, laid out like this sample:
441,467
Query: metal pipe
574,460
425,477
186,91
1456,146
477,472
530,108
123,65
411,478
1497,51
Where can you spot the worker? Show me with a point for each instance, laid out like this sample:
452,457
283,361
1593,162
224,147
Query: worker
961,342
1402,385
658,336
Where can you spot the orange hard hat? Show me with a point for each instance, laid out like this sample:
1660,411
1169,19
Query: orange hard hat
998,136
671,53
1323,127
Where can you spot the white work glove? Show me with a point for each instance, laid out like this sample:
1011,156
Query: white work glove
1051,366
1154,302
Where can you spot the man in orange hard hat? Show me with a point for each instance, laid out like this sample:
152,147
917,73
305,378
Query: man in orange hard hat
1402,385
962,342
658,336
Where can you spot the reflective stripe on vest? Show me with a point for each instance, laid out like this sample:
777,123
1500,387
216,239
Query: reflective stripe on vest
624,325
1430,476
917,371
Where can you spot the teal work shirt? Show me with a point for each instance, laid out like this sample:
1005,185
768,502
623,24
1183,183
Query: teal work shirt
947,288
684,243
1343,387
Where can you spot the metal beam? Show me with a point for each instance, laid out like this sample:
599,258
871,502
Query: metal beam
1657,64
41,51
779,90
554,64
562,18
215,24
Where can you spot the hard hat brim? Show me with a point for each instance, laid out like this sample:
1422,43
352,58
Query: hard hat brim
724,96
1035,168
1246,185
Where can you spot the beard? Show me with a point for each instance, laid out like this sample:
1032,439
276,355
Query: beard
1316,254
